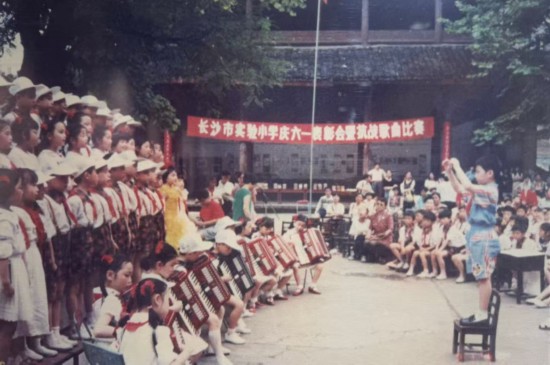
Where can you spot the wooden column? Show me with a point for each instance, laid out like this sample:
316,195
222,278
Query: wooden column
438,25
245,156
365,22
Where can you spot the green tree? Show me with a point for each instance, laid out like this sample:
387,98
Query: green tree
511,47
121,49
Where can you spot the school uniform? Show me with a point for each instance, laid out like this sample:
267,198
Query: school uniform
146,235
430,238
48,160
129,198
5,162
12,247
85,212
56,206
35,237
103,243
292,237
23,159
456,239
111,305
119,226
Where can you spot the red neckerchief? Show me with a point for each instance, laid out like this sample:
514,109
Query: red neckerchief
134,326
41,236
161,198
118,190
136,191
152,198
85,197
109,200
25,234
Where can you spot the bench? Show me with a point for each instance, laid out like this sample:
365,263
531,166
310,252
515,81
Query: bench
65,356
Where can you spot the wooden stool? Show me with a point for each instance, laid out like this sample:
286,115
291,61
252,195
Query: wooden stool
488,332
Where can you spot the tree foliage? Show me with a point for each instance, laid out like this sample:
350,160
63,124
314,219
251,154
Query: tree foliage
123,48
511,48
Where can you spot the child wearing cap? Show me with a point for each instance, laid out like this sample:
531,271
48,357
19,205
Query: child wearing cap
43,104
15,297
226,245
23,93
6,140
34,232
54,135
26,135
85,212
55,202
146,234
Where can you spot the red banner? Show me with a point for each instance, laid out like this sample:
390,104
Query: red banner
446,142
344,133
167,149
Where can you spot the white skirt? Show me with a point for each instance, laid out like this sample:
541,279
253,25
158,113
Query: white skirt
18,307
39,322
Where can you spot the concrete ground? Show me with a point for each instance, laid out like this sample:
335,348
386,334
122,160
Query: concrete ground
370,315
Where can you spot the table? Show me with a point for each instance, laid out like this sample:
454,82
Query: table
520,261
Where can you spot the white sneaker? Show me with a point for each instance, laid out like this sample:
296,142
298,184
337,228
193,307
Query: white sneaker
410,273
234,338
30,354
210,351
540,304
44,351
247,314
53,342
423,275
441,277
223,361
406,266
66,340
459,280
243,330
432,275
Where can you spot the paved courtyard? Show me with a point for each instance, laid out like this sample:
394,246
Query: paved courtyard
369,315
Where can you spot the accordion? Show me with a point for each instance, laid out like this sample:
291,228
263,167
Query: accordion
213,288
234,266
315,246
194,311
174,321
286,257
248,258
262,256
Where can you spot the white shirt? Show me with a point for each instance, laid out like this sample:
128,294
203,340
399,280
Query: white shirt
84,214
49,159
137,346
336,209
5,162
23,159
454,236
528,244
446,191
110,305
377,174
363,186
59,215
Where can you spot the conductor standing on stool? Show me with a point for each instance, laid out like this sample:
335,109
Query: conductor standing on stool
482,242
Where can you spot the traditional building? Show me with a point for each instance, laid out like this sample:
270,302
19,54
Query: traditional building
379,60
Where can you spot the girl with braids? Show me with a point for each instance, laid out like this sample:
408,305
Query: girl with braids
34,232
115,279
15,297
6,141
145,340
27,136
53,140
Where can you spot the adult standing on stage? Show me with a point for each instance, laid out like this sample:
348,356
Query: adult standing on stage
377,175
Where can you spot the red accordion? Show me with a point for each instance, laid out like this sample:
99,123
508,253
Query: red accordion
194,309
315,246
174,322
262,256
286,257
247,257
213,288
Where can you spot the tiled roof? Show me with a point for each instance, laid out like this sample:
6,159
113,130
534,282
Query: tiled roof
378,63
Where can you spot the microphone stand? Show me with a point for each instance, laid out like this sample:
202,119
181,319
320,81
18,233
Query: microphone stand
268,204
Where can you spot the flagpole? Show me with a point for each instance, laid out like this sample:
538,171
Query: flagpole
313,104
